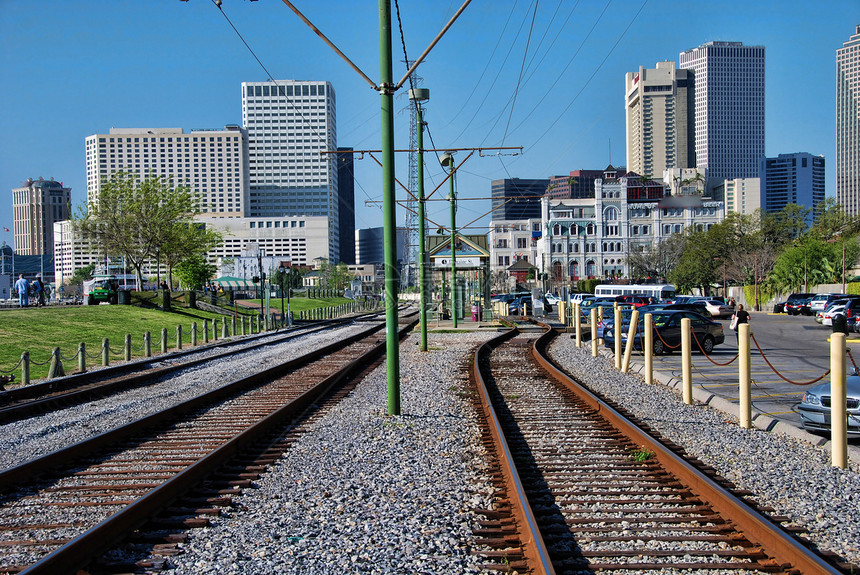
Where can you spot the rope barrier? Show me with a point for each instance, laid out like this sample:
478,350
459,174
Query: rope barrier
73,358
664,341
96,355
770,365
693,333
42,363
16,366
851,357
114,352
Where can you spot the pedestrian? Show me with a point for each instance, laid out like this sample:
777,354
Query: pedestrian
739,317
22,286
732,303
39,291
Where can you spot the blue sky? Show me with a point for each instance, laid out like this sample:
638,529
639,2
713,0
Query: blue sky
72,69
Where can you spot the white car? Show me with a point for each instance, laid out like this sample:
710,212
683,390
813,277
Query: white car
552,298
828,315
717,308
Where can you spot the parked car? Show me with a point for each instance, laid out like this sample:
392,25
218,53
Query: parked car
838,302
831,312
780,307
667,324
798,307
552,298
821,301
698,307
852,313
814,409
637,300
609,319
517,306
718,308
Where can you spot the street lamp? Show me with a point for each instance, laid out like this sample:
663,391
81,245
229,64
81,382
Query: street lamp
447,160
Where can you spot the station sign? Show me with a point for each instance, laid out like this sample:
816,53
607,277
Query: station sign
466,262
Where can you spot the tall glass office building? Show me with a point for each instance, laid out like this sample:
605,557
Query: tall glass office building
289,123
729,107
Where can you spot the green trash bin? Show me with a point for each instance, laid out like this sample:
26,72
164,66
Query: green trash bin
124,297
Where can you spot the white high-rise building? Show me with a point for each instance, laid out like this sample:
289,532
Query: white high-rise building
213,163
729,115
290,124
848,124
659,104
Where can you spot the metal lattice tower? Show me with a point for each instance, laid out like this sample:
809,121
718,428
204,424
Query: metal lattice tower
410,266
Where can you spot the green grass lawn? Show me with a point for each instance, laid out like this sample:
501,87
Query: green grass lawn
40,330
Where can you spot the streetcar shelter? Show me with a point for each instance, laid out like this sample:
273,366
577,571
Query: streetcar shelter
472,274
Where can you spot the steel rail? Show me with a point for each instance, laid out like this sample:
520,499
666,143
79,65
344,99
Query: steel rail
754,526
89,545
534,548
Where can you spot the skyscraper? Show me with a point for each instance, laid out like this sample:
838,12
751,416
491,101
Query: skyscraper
792,179
660,121
729,107
213,163
848,124
289,123
35,207
516,199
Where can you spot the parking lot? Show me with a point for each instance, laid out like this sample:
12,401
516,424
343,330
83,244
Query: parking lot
796,346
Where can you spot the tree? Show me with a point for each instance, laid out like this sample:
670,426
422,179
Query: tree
336,277
81,275
137,219
194,271
183,240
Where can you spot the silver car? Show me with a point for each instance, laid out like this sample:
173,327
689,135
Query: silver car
814,409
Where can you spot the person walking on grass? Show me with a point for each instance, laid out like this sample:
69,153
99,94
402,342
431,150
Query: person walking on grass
22,286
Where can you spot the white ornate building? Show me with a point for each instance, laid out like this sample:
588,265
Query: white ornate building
591,238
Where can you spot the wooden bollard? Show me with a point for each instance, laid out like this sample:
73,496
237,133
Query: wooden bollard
126,348
105,352
56,367
82,357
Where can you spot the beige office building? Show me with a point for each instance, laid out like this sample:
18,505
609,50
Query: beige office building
743,195
848,124
660,130
35,207
213,163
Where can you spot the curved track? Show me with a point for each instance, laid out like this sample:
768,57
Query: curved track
591,491
60,512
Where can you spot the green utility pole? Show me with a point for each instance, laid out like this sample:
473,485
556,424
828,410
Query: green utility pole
392,343
448,160
419,94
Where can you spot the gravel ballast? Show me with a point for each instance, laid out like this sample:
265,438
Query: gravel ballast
28,439
790,475
363,492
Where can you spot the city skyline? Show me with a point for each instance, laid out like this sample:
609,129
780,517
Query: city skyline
184,66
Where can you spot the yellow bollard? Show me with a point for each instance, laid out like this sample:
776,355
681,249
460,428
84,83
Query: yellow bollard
686,361
577,322
631,335
744,377
617,329
648,348
838,411
593,333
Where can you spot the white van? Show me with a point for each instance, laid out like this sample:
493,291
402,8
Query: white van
576,298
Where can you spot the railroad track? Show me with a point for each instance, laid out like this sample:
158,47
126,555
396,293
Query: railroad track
62,511
583,489
27,401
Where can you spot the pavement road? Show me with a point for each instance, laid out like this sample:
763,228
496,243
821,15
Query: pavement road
796,346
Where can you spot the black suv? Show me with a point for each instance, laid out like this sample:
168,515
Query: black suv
781,307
